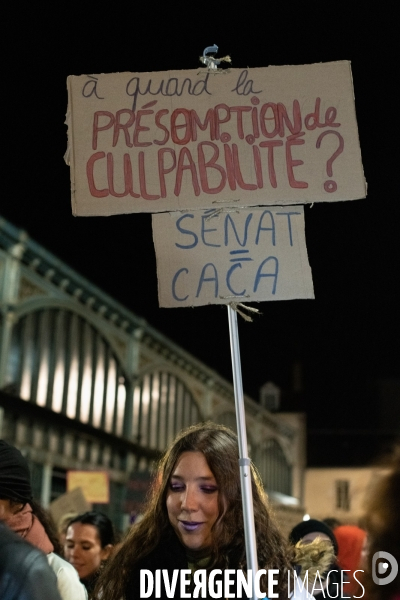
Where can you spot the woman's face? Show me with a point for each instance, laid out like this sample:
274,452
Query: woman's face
192,500
83,549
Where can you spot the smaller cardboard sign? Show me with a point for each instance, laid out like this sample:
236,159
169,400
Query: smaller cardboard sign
95,485
70,502
231,255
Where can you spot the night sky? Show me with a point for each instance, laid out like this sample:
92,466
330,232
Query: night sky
348,336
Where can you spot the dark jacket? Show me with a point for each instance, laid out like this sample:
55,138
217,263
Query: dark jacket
25,573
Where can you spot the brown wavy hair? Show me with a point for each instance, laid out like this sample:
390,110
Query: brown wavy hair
383,526
50,528
219,446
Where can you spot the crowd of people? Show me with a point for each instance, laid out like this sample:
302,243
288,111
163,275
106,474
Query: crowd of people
192,524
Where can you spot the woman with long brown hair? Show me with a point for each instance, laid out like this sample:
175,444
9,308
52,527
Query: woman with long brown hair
194,518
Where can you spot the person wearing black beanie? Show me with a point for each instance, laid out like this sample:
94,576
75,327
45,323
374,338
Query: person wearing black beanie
15,478
306,532
30,521
312,526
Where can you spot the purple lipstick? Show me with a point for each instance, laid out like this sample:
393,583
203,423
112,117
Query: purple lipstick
190,525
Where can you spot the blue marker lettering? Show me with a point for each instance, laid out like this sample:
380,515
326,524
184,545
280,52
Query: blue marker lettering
203,279
174,284
203,231
260,228
260,274
289,214
186,232
228,280
228,219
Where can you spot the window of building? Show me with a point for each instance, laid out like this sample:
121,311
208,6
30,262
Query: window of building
275,470
343,494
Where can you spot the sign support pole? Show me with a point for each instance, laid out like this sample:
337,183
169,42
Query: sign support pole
244,461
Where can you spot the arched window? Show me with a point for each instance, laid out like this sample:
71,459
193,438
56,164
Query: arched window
162,406
274,468
60,361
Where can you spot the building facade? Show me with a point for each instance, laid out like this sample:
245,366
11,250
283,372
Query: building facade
86,384
341,493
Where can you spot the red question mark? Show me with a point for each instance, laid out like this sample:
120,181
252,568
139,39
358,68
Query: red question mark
331,186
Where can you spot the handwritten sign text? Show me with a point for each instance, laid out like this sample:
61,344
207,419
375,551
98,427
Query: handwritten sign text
216,257
156,142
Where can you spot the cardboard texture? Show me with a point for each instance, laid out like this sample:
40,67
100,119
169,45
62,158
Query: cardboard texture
94,484
167,141
69,502
217,257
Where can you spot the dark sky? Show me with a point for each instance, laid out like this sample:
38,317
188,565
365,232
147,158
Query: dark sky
348,335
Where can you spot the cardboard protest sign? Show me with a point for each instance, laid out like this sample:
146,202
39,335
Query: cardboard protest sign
166,141
218,257
95,485
69,502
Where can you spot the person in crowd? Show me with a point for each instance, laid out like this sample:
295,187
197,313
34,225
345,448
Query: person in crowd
29,520
25,573
89,542
194,519
350,539
308,535
383,535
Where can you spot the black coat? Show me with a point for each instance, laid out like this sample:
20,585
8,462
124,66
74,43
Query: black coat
25,573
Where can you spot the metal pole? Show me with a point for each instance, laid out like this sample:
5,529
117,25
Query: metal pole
244,461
